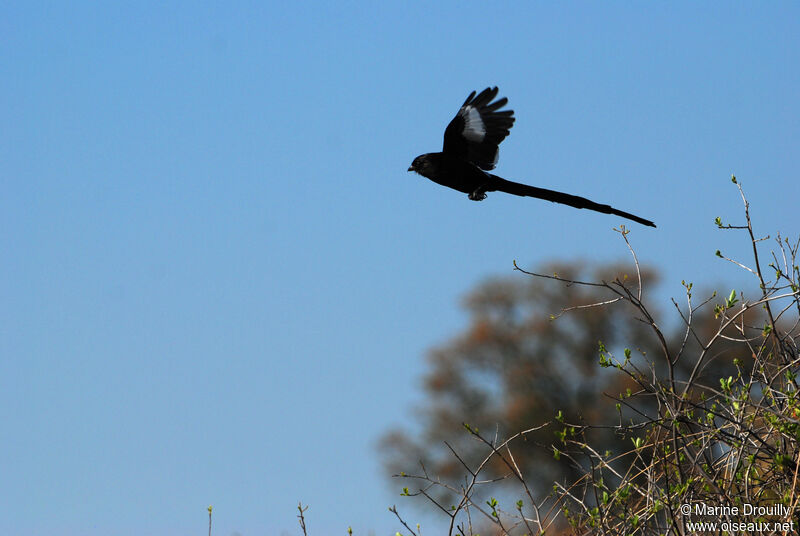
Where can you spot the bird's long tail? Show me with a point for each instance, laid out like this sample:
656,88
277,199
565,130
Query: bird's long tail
502,185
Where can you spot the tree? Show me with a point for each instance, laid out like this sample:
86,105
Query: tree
516,366
630,422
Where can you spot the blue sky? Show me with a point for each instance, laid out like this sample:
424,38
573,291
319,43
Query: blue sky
218,281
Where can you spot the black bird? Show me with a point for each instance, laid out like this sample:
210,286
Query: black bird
471,147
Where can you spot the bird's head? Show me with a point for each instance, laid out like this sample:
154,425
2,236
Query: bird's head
422,165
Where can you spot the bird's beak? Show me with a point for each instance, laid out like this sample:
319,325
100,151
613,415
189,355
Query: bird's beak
411,168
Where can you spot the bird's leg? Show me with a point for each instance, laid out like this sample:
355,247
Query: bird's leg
479,194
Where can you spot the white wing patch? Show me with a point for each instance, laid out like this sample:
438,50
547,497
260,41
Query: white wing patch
474,129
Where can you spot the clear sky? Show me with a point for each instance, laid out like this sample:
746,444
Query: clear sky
217,280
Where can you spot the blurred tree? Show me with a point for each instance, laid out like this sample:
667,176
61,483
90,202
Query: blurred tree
603,420
518,364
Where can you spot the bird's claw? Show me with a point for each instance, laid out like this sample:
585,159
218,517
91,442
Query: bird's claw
477,195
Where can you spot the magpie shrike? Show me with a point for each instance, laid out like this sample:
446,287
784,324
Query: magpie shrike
471,147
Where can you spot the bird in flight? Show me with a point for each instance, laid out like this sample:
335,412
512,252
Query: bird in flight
471,147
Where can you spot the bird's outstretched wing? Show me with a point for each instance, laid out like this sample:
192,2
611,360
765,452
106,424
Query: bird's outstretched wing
476,131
